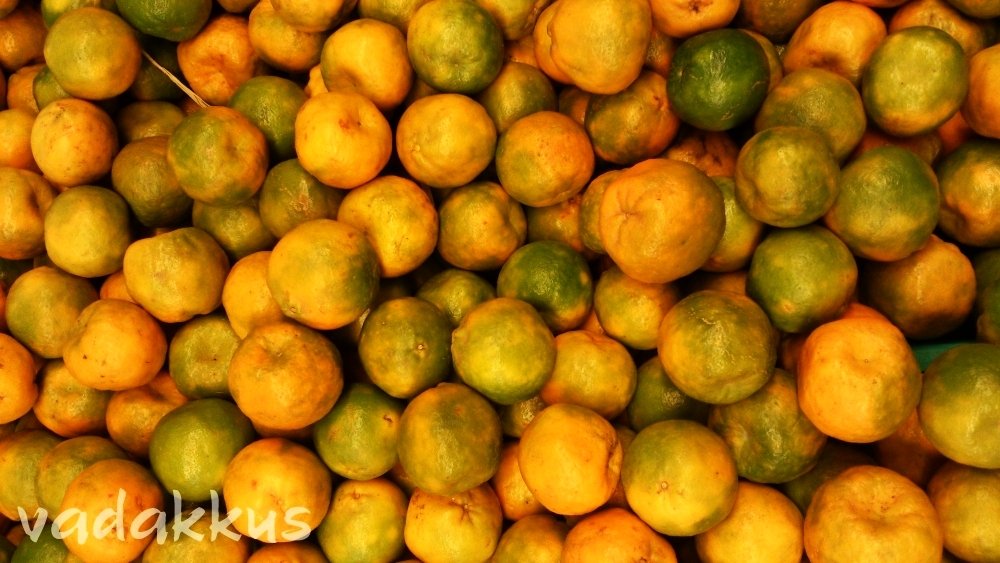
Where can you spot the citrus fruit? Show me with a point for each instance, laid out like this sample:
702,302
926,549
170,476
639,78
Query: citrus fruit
657,398
218,59
281,44
323,289
199,355
311,16
238,228
631,311
22,36
141,174
645,214
516,500
570,459
94,492
774,19
634,124
405,346
42,305
504,350
471,520
559,222
291,196
519,90
718,79
276,490
871,513
18,376
347,120
923,308
114,345
764,525
454,45
192,445
858,379
67,407
21,453
593,371
952,413
683,19
540,536
61,464
456,292
481,225
173,20
246,298
979,107
970,33
87,231
176,275
970,194
615,534
301,551
399,219
368,56
93,53
210,175
151,118
132,414
357,438
741,235
15,137
698,343
801,277
839,37
26,197
285,376
449,440
151,84
966,501
679,477
45,88
73,142
771,439
544,158
271,104
590,211
200,542
907,451
551,277
833,460
365,522
903,99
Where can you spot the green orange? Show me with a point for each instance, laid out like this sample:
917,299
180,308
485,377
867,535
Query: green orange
456,292
970,193
365,522
141,174
357,438
634,124
291,196
199,356
519,90
553,278
455,45
42,306
93,53
238,228
61,464
481,225
87,231
174,20
657,398
271,103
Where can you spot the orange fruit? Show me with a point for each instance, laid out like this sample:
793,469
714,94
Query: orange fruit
771,439
980,107
313,17
365,522
94,491
348,120
199,356
224,545
20,88
741,235
173,20
634,124
193,444
87,231
449,440
539,536
801,277
67,407
456,292
471,520
593,371
580,46
717,347
559,222
42,305
590,211
245,296
615,534
397,12
142,175
887,206
151,84
18,376
970,196
218,58
281,44
657,398
45,88
481,225
631,311
285,376
923,308
115,345
73,142
952,413
21,453
516,500
858,379
570,458
519,89
275,476
774,19
870,513
971,34
899,96
551,277
291,196
679,477
22,37
682,19
370,57
764,525
151,118
907,451
238,228
300,551
15,137
651,241
27,197
271,103
504,350
92,53
61,464
209,175
357,438
399,219
454,45
786,176
840,37
966,500
718,79
712,152
833,460
544,158
176,275
133,413
323,290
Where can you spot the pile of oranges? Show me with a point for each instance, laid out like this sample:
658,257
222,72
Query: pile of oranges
499,280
